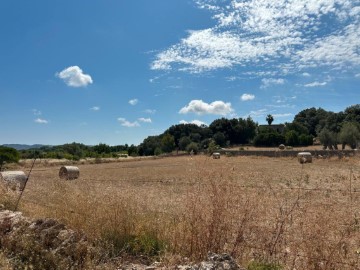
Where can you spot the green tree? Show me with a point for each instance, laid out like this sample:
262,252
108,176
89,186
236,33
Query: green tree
269,119
192,147
8,155
328,138
183,142
292,138
167,143
350,134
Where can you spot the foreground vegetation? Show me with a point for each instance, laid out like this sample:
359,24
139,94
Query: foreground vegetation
267,213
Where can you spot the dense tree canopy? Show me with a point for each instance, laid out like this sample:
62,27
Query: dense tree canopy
328,127
8,155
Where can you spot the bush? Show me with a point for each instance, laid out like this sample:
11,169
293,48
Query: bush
269,139
192,147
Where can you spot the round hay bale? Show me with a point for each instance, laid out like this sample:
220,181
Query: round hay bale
304,157
281,147
216,155
14,180
69,172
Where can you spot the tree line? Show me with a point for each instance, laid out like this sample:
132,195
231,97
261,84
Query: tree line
309,125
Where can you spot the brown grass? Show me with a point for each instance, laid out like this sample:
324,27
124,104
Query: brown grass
263,209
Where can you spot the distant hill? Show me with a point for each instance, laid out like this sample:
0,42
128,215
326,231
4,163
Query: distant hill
24,146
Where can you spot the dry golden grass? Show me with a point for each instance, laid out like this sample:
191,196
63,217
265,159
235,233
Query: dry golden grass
255,208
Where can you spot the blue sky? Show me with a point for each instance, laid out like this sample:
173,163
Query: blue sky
118,71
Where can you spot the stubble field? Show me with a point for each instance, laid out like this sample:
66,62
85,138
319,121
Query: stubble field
269,210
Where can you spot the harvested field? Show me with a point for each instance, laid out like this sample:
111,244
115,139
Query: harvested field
302,216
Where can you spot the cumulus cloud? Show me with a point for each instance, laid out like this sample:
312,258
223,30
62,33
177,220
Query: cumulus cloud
266,82
315,84
95,108
200,107
133,101
145,120
195,122
73,76
126,123
247,97
249,33
41,121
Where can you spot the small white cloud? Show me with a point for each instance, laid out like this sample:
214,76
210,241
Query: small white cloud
149,111
95,108
73,76
195,122
200,107
266,82
133,101
315,84
357,75
145,120
247,97
305,74
41,121
36,112
126,123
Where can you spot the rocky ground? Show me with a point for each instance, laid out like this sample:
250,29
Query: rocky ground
48,244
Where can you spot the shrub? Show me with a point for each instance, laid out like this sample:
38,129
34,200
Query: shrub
192,147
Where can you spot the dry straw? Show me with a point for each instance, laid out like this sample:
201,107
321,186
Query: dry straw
69,172
14,180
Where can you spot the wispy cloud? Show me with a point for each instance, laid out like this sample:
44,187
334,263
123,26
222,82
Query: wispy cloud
315,84
306,74
126,123
280,115
41,121
145,120
195,122
36,112
266,82
357,75
150,111
200,107
247,97
133,101
95,108
247,33
73,76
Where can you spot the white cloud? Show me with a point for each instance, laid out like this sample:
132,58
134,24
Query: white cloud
247,97
258,113
195,122
126,123
357,75
133,101
41,121
306,33
266,82
145,120
36,112
305,74
95,108
315,84
150,111
73,76
200,107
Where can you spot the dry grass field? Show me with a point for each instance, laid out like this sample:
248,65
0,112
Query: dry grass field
176,209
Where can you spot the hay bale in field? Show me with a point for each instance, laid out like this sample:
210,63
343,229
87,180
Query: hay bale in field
69,172
304,157
216,155
282,147
14,179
